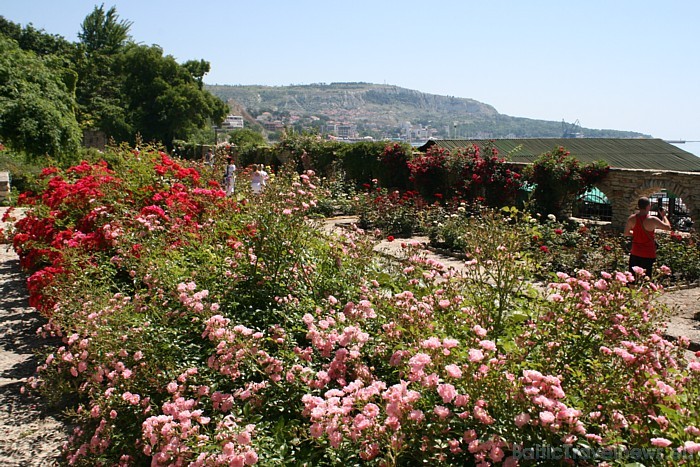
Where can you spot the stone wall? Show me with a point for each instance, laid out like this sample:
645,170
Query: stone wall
4,185
624,187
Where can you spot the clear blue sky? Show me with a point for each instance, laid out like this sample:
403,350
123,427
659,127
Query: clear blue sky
611,64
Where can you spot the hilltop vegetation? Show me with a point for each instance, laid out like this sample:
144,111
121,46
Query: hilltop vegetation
380,110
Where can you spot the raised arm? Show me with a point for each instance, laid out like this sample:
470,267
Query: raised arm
629,226
661,222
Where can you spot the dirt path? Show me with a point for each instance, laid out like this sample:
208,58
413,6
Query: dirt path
28,436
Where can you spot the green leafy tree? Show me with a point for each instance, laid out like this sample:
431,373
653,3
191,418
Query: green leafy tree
113,85
163,99
37,104
127,89
103,33
245,138
197,68
38,41
102,38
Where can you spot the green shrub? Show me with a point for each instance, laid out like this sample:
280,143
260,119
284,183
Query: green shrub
681,253
559,179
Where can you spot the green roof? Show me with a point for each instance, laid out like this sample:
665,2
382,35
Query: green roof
653,154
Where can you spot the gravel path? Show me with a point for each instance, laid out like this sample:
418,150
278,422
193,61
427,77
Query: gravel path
28,435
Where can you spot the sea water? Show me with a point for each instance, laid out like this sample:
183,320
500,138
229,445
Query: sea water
693,148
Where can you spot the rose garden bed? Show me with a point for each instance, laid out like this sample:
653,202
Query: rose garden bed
205,330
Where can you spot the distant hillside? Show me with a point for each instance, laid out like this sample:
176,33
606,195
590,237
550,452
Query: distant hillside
377,108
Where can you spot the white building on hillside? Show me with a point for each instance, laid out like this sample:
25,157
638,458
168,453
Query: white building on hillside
232,122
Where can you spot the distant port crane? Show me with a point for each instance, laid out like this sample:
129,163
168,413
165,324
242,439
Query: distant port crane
572,130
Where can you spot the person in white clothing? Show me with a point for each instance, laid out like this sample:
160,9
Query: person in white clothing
230,177
258,179
209,158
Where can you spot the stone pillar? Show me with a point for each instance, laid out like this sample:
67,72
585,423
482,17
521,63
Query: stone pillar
4,185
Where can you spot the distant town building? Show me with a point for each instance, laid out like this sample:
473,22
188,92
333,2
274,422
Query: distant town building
410,132
276,125
264,117
232,122
341,130
347,131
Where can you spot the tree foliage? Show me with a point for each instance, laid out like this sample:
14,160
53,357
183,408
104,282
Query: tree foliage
36,41
245,138
164,100
53,88
102,32
102,37
37,103
197,68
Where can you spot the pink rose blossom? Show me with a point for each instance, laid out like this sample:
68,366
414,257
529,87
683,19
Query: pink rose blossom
441,412
475,355
547,417
447,392
660,442
453,371
431,343
487,345
691,447
450,343
416,415
522,419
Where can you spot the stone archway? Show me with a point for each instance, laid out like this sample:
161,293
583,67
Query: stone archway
624,187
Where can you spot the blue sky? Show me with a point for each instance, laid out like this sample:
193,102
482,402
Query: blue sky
611,64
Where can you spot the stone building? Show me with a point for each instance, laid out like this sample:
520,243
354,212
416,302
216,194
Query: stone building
638,167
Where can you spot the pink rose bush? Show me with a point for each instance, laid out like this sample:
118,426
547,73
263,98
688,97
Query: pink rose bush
216,330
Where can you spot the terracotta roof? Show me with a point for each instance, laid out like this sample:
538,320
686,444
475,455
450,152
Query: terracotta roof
654,154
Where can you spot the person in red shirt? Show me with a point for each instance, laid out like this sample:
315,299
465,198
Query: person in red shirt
641,227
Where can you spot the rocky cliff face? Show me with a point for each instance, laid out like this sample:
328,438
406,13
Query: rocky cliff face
391,106
358,97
